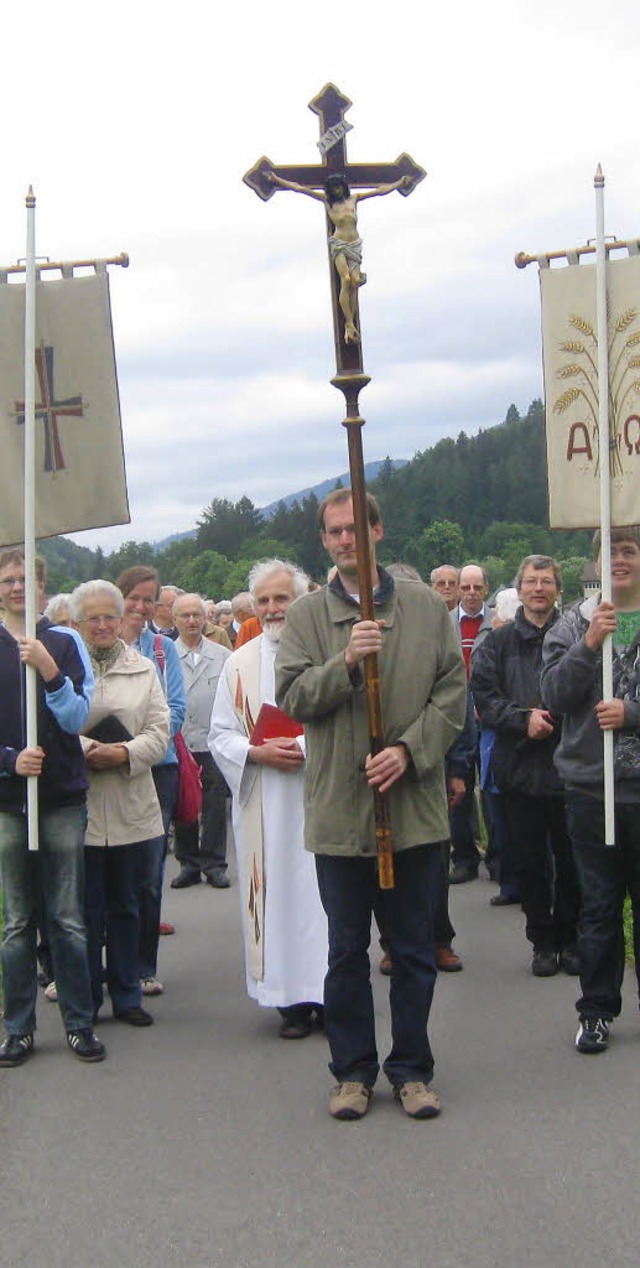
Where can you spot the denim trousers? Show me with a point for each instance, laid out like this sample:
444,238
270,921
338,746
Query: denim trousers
203,847
503,853
53,875
606,875
464,851
152,856
348,889
545,869
111,907
444,932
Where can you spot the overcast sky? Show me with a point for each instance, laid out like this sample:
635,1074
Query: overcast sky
135,123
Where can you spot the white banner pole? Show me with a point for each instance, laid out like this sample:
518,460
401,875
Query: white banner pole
605,492
30,505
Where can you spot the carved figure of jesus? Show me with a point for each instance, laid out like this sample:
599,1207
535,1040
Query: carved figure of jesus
345,244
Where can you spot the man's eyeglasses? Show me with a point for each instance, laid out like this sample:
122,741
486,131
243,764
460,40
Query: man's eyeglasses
9,582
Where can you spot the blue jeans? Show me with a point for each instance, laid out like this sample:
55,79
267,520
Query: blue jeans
56,869
464,851
606,875
503,852
112,916
348,888
152,857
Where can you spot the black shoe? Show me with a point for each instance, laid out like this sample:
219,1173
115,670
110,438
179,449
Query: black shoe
295,1029
544,963
297,1021
218,879
593,1034
135,1016
85,1046
569,961
503,900
458,875
185,878
15,1049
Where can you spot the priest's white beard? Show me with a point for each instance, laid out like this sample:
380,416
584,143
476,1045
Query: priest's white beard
273,629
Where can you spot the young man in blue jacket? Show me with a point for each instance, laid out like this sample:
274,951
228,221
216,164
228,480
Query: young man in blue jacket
63,701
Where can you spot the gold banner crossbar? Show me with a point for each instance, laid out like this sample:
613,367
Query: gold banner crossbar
65,267
632,245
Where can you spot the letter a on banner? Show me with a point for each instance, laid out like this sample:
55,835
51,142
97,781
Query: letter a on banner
80,479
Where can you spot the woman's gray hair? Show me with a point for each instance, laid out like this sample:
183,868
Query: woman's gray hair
91,590
507,603
58,604
264,569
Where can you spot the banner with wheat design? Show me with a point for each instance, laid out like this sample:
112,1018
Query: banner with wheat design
570,351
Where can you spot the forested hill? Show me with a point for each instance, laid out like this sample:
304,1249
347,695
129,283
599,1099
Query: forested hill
480,497
499,474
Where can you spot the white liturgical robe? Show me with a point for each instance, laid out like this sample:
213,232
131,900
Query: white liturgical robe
284,925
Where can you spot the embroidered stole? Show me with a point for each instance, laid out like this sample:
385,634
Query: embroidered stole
244,681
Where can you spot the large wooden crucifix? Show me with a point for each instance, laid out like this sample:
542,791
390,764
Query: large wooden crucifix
335,177
377,178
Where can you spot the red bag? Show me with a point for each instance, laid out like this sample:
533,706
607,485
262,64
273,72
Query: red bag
189,802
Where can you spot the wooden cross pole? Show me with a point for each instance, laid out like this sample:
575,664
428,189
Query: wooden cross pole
345,254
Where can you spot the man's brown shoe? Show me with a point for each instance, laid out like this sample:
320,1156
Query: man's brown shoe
350,1100
418,1100
447,960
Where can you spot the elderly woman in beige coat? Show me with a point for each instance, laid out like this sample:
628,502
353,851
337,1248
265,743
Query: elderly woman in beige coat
126,733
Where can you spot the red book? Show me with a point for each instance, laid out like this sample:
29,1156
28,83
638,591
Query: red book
273,724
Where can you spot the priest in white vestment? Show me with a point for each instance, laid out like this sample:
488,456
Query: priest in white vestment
284,925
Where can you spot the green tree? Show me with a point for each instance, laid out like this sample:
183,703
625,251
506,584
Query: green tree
225,526
176,556
496,537
386,473
572,570
237,577
441,543
99,563
515,550
496,571
206,574
271,548
129,554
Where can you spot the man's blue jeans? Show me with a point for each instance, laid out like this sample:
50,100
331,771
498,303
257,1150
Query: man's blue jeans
58,868
606,874
348,887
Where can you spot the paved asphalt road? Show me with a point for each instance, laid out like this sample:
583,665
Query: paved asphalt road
205,1142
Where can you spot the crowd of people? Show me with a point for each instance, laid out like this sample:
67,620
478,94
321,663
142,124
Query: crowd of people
494,719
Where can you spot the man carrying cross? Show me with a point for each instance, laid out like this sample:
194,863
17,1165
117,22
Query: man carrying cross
319,682
345,244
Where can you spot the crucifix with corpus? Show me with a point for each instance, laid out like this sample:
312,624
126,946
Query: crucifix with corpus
331,182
